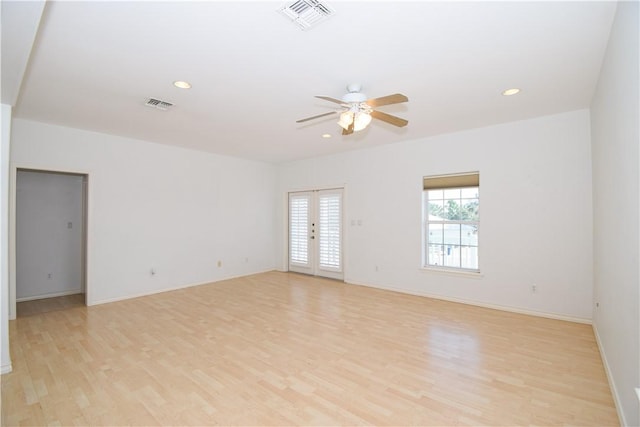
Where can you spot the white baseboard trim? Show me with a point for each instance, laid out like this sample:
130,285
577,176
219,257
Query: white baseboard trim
5,369
477,303
612,385
50,295
175,288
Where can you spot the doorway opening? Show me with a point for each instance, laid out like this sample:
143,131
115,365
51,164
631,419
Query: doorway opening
315,233
50,240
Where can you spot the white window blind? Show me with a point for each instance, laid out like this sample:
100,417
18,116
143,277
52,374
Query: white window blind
299,229
329,231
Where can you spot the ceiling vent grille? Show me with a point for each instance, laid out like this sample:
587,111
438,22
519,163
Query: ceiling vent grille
307,13
157,104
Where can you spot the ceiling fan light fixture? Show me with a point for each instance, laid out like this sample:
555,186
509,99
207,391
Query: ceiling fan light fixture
361,121
346,119
358,119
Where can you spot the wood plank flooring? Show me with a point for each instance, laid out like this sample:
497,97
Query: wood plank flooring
286,349
39,306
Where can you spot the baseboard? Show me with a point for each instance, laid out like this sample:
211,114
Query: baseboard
175,288
518,310
51,295
5,369
612,385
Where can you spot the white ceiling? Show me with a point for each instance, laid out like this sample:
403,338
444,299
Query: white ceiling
254,73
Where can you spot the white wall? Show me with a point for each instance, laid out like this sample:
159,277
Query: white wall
535,213
48,250
616,188
152,206
19,25
5,136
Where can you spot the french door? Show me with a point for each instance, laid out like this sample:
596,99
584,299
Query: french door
315,233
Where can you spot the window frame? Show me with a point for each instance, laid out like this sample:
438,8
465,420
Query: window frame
449,182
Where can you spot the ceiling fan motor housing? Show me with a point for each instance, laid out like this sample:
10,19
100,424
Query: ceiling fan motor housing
352,97
354,94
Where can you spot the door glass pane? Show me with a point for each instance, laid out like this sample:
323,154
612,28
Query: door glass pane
330,221
299,229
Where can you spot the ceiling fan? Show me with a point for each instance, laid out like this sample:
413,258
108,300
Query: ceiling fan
357,111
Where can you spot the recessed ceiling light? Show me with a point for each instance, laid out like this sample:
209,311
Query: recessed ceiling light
510,92
326,135
182,85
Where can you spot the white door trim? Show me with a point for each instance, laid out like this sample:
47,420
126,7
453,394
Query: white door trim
12,229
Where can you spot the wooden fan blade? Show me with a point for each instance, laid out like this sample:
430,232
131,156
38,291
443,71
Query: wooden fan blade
327,98
348,131
396,98
316,117
396,121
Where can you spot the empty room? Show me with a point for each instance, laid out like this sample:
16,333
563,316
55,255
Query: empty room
320,213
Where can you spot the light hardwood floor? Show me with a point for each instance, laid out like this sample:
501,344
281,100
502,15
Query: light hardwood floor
287,349
39,306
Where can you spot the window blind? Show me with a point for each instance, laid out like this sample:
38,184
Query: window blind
330,217
470,179
299,229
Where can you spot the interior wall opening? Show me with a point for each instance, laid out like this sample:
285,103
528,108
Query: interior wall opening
50,240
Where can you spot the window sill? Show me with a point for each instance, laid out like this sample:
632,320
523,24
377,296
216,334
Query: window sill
450,272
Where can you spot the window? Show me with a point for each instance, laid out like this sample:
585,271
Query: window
451,221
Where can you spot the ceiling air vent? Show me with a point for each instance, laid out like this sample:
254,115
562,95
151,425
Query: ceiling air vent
160,105
307,13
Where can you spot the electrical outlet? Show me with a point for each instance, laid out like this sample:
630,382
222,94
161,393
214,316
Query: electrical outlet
152,272
534,288
219,263
49,276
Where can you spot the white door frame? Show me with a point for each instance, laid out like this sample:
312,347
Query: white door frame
12,229
315,268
